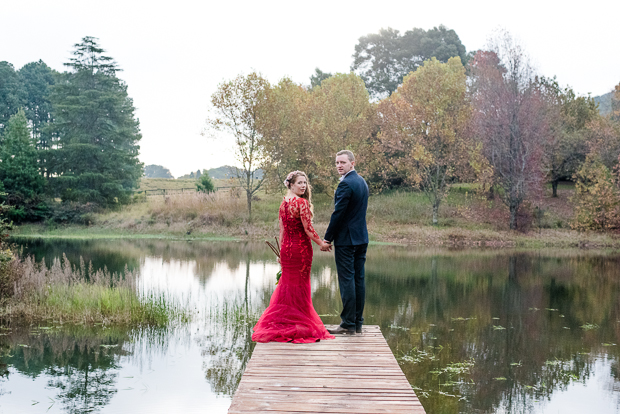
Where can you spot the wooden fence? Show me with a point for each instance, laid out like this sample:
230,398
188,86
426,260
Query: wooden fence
172,191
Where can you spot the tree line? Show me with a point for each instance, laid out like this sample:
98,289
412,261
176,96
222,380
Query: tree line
421,113
417,109
66,135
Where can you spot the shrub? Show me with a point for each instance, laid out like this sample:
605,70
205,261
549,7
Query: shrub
205,184
8,271
75,213
596,198
6,259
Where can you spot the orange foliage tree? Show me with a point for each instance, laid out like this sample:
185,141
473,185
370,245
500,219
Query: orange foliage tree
303,129
596,197
425,129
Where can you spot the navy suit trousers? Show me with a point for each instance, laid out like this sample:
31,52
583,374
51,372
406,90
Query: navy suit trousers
350,262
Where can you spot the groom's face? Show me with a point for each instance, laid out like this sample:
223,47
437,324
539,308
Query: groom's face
343,165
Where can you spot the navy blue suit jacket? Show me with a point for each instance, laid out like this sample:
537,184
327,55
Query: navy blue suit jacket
347,226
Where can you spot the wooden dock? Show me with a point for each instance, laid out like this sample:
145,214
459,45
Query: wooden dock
350,374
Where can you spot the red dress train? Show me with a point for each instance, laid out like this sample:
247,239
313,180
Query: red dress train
290,316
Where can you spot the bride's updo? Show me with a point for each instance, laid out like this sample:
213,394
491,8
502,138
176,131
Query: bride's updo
292,177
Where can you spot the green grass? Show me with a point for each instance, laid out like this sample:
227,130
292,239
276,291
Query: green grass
77,294
96,303
30,231
466,218
173,184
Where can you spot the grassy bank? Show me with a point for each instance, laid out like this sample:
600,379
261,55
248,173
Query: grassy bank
466,219
66,293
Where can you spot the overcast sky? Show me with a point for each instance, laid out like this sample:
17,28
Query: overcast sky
174,54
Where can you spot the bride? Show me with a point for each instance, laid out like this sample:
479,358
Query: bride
290,316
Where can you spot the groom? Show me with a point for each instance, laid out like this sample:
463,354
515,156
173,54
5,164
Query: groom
347,230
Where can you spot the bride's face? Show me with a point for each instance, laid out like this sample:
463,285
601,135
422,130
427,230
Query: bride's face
299,186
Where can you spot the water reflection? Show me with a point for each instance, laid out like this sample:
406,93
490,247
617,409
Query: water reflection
79,364
475,331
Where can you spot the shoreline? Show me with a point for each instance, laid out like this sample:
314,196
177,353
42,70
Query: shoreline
397,235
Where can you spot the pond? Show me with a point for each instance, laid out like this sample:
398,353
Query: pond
485,331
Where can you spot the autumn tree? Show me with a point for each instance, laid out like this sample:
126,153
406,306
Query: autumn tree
596,197
425,129
237,104
603,141
343,118
615,104
286,127
509,119
383,59
304,129
568,116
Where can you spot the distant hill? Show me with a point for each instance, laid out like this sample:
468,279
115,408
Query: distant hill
221,173
604,103
157,171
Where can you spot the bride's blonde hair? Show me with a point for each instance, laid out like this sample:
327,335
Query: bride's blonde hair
292,177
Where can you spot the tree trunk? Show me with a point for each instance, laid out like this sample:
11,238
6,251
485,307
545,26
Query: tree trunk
554,186
512,268
249,195
435,213
491,193
513,216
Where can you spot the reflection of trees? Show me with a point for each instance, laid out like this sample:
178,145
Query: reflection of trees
80,361
527,344
448,300
4,372
115,254
101,253
228,346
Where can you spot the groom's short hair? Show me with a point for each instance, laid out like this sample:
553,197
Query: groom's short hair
348,153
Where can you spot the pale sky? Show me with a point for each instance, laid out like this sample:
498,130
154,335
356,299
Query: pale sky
174,54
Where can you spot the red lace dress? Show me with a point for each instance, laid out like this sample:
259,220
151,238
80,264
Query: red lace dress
290,316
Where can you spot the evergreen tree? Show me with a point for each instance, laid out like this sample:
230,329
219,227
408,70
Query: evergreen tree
318,77
97,156
19,170
383,59
205,184
37,78
11,93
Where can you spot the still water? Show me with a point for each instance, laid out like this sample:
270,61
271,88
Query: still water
475,331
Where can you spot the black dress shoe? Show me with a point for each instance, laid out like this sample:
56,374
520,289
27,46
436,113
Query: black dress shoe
341,331
358,329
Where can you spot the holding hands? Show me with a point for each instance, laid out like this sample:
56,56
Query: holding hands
326,246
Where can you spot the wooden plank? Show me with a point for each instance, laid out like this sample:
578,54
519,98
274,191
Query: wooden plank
347,375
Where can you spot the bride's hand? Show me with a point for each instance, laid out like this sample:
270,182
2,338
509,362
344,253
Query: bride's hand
325,246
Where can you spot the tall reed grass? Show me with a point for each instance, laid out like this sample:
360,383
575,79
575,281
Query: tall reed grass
67,293
222,207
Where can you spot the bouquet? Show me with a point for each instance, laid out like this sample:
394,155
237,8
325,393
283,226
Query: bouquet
276,250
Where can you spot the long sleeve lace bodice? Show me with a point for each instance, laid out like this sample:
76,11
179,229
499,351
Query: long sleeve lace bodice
290,315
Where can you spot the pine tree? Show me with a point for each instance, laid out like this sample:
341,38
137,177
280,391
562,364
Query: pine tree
205,184
11,94
97,156
19,169
37,78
